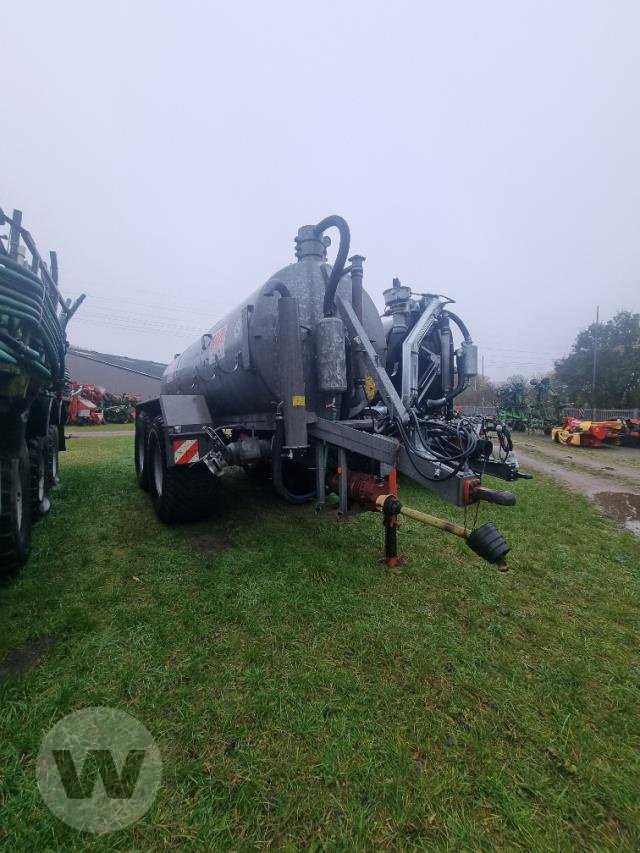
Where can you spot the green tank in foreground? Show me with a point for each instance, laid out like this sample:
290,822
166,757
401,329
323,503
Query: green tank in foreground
33,318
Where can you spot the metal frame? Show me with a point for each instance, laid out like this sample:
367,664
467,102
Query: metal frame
389,395
386,450
411,350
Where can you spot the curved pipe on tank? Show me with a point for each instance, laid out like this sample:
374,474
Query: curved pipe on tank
460,325
277,474
279,286
337,272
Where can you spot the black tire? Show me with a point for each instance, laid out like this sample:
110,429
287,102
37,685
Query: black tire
39,481
178,493
53,450
15,511
140,450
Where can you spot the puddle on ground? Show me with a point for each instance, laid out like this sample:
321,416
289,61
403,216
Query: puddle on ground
24,657
623,507
209,543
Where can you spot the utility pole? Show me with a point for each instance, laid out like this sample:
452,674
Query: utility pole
595,359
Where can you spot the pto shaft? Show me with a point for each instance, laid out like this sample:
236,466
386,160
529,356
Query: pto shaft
486,541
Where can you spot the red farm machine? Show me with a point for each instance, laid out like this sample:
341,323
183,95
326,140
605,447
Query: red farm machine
584,433
85,402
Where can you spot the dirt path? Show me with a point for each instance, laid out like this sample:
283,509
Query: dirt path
107,433
615,495
616,462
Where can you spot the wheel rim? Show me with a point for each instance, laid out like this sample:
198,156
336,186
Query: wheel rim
157,469
140,450
41,479
19,506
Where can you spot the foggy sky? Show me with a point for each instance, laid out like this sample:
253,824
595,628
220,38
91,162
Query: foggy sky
489,151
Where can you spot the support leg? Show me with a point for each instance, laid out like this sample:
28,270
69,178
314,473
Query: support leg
320,476
392,479
344,482
391,508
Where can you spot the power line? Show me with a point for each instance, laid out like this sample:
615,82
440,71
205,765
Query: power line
150,330
138,319
163,306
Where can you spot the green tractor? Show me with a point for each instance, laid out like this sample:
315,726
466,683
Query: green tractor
513,409
545,408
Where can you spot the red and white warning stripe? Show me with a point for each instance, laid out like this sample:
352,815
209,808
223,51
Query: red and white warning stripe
185,450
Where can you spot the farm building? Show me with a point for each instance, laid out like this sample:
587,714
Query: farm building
118,374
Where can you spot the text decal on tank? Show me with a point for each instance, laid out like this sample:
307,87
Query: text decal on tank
216,346
185,450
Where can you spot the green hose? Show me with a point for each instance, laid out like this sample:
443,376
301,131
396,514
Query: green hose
27,313
6,357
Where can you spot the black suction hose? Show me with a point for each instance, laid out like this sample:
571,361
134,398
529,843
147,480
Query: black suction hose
277,473
337,272
460,325
450,395
436,404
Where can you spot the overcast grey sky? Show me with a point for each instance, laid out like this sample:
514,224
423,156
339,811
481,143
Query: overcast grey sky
486,150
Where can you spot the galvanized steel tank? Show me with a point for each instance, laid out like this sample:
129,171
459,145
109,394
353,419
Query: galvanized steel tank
236,364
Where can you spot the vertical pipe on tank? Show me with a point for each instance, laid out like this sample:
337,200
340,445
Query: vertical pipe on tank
446,363
356,301
356,262
291,371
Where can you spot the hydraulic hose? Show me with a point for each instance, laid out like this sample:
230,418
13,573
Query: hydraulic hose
341,259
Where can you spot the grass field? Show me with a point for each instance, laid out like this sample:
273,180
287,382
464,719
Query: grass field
304,696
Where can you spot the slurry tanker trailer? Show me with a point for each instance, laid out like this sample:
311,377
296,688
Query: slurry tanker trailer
306,384
33,318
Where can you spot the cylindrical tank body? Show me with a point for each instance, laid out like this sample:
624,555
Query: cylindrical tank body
236,364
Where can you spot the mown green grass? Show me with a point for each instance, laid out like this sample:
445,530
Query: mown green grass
304,696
